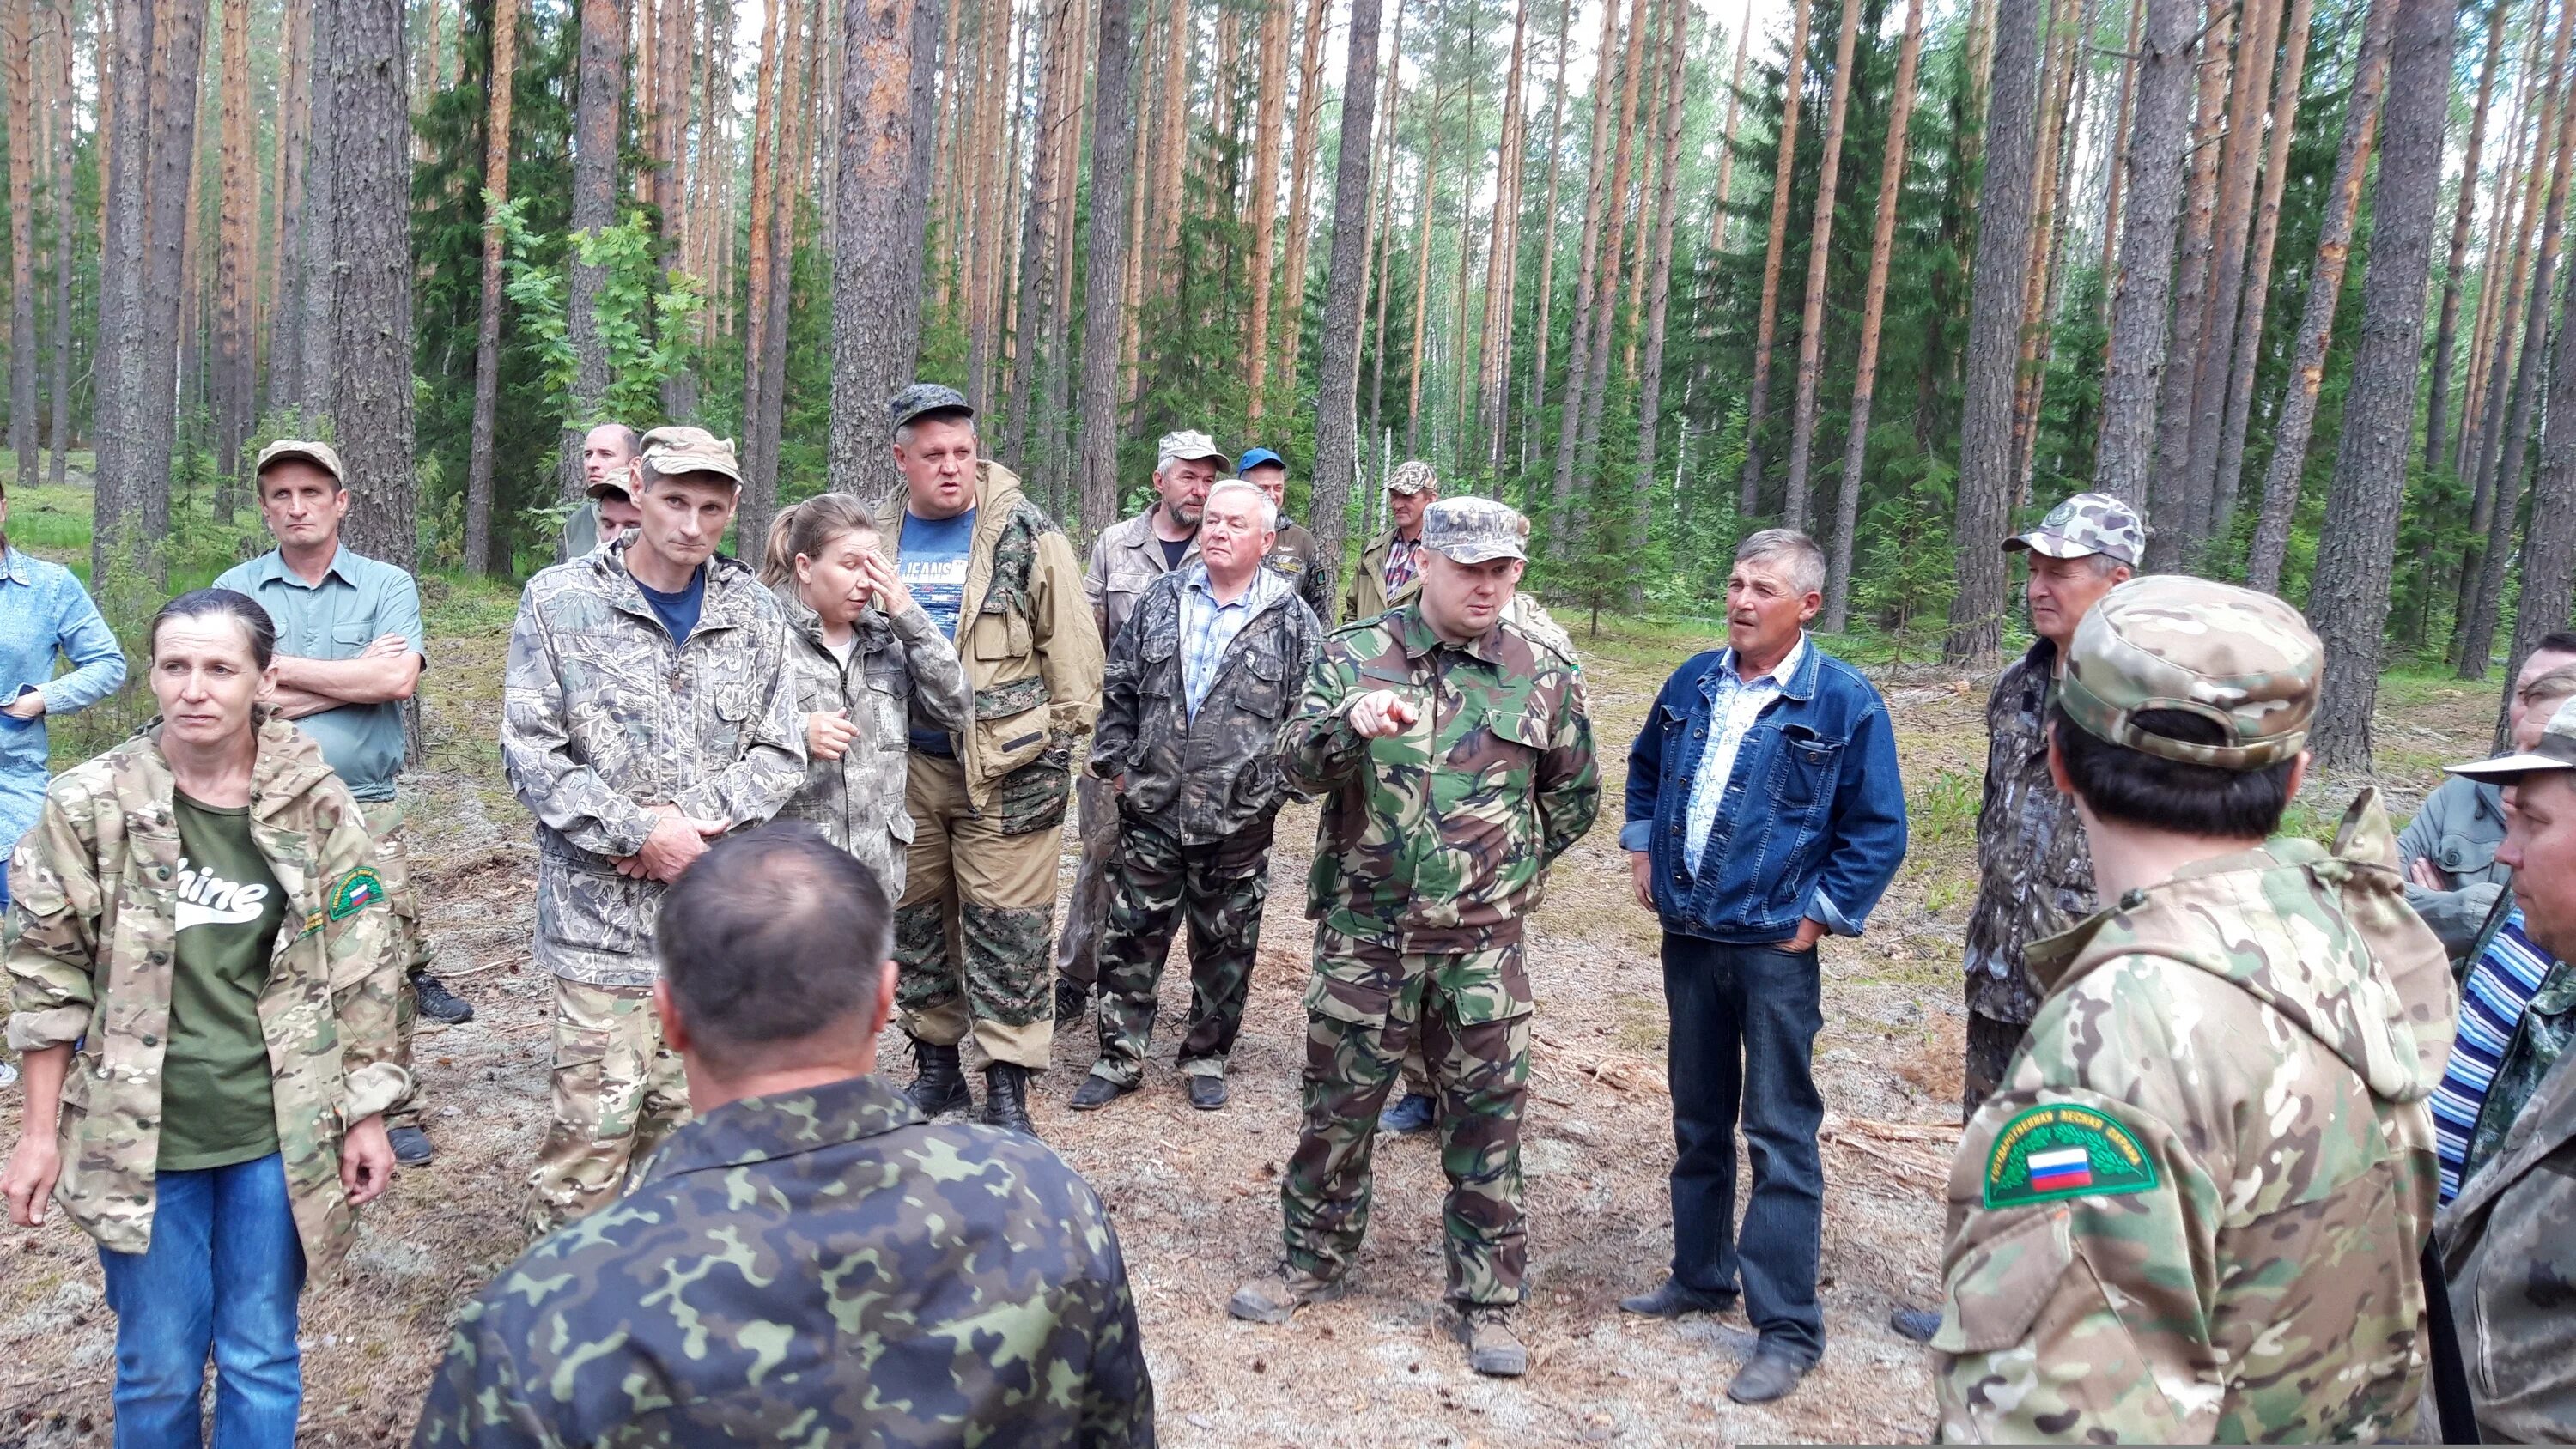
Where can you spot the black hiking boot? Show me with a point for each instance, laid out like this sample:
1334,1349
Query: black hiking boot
1006,1097
437,1003
940,1086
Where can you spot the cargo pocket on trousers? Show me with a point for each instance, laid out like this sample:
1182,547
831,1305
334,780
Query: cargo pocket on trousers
1360,1003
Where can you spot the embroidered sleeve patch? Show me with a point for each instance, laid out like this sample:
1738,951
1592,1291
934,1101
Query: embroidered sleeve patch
357,890
2062,1151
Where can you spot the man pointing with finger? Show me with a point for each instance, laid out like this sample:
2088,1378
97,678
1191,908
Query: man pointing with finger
648,708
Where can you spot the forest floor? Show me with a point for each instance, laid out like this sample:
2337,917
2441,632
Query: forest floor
1195,1195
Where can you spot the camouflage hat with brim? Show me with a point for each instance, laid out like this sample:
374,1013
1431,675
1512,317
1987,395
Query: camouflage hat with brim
2554,750
2086,524
676,452
1412,476
1473,530
302,450
926,399
1187,446
2246,662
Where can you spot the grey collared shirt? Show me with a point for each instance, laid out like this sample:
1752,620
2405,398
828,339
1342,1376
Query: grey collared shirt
359,600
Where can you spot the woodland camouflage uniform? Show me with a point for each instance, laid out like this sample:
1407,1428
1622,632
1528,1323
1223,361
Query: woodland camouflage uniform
93,920
978,904
2193,1210
602,715
1430,854
1199,803
817,1267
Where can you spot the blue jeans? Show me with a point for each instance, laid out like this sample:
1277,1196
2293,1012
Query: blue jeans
1744,1023
222,1273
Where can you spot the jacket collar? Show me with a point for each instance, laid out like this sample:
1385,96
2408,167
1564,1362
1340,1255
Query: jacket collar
13,566
1801,683
270,567
762,1129
730,593
871,626
286,768
1414,634
1137,536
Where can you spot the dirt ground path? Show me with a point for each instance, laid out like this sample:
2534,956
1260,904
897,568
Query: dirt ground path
1194,1195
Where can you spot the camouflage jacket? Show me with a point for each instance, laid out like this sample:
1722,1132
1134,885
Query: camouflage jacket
1126,560
2034,868
2193,1211
602,716
2543,1035
818,1267
1026,637
2509,1250
93,914
857,799
1295,556
1438,839
1207,777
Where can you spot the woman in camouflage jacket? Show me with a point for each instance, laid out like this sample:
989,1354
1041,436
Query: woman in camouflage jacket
861,649
195,905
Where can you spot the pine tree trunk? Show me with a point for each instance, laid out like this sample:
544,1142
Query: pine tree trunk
878,235
2137,343
1345,289
2171,536
1030,448
1172,149
1882,249
1422,241
1726,137
2115,167
1596,387
1113,150
1543,305
992,204
2463,217
480,555
2298,413
2061,59
800,96
236,262
1305,145
594,209
2348,597
2236,180
194,313
17,36
1493,363
178,61
1382,233
1783,171
1650,383
1820,237
66,246
1270,113
1994,319
125,106
767,110
2501,194
285,382
2258,273
1632,303
2548,563
1587,279
371,408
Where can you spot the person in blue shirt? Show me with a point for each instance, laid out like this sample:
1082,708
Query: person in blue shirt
1764,812
45,616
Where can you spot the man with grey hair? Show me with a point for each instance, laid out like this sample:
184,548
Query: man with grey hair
1764,812
1198,682
1126,560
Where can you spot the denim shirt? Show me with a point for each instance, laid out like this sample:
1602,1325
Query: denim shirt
44,612
1812,821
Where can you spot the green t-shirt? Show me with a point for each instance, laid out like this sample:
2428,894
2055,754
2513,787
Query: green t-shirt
215,1080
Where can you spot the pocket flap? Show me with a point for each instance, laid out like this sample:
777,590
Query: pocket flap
1518,729
1999,1284
2460,855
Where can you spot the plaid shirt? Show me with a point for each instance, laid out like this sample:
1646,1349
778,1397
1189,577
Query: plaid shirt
1403,563
1208,625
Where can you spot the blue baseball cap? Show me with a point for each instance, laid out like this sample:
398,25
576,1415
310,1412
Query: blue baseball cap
1254,457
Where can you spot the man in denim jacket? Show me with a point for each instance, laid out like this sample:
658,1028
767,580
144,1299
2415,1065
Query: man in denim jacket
1764,811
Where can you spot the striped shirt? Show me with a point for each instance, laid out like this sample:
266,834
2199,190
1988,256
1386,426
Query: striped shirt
2500,986
1209,624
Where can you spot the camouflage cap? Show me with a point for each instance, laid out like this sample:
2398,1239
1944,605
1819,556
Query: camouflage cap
1189,446
922,399
1412,476
320,455
2244,661
2088,523
1473,530
675,451
2555,750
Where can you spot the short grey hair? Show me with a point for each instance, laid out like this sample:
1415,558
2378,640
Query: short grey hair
1269,510
1794,551
903,434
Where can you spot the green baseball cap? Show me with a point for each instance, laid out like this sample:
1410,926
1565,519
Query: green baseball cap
2245,661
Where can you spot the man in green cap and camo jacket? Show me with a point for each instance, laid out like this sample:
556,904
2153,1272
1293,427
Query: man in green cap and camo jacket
2192,1210
1453,754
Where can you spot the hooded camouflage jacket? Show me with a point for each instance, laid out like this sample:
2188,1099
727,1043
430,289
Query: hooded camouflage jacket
2034,868
602,716
2509,1250
2193,1211
1031,650
1206,777
857,800
94,912
818,1267
1437,840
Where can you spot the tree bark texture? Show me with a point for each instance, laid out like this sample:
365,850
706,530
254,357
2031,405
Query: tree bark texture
597,104
1650,383
2463,217
1587,278
2236,182
17,38
877,240
371,408
480,556
1783,170
2258,273
2134,371
1596,387
2171,536
122,337
66,139
1820,241
1113,151
1338,369
236,260
1543,303
1270,114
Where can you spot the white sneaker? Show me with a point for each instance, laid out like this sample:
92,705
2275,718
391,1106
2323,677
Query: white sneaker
8,1075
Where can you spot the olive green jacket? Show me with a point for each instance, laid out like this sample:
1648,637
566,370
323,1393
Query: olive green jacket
94,911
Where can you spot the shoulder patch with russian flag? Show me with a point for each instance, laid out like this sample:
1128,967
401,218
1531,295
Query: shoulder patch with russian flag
2063,1150
356,891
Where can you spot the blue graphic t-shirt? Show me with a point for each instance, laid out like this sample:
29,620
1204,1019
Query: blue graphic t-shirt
932,558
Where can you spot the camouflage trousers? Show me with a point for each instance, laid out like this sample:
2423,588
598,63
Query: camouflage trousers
1155,879
1077,950
970,933
393,863
618,1091
1991,1044
1367,1006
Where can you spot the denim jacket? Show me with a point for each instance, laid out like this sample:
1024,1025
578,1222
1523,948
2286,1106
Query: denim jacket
44,614
1813,820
